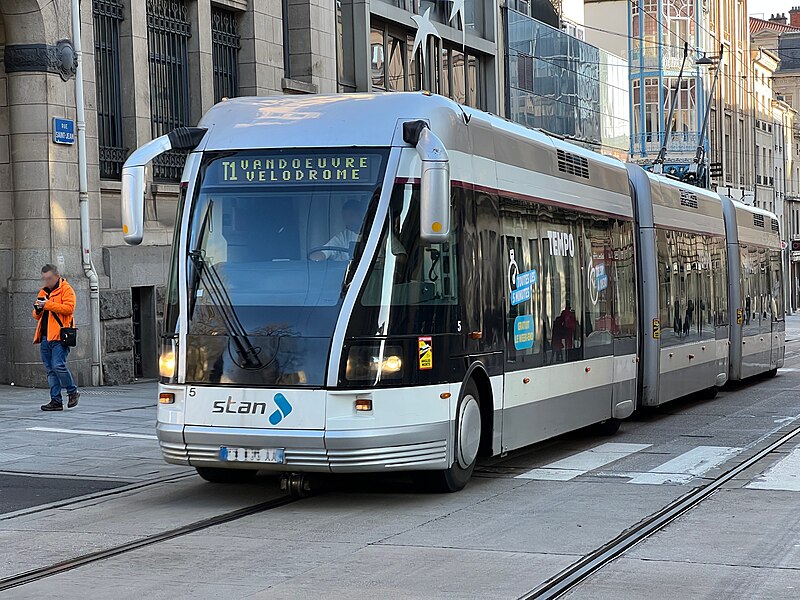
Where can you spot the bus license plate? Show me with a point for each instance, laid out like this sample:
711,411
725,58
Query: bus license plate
256,455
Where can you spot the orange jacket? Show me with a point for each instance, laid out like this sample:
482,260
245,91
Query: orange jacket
61,302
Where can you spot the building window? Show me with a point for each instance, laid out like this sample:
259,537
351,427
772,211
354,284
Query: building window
225,50
445,70
345,53
107,18
168,32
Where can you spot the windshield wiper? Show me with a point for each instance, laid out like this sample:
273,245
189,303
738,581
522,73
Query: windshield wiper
248,353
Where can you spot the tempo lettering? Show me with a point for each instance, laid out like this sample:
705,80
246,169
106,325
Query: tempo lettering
561,243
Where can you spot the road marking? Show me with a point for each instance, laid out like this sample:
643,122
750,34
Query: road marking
783,475
138,436
687,466
788,370
583,462
8,457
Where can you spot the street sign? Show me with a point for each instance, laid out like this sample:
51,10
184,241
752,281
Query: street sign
715,169
63,131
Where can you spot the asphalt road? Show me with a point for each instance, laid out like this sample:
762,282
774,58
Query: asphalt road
521,520
24,491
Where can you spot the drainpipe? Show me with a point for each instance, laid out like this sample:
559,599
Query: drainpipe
83,189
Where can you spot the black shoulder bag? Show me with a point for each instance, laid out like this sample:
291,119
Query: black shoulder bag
69,335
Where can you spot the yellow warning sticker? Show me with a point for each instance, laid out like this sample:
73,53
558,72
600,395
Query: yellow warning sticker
425,353
656,329
739,316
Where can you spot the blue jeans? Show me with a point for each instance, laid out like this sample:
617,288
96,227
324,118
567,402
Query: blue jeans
54,357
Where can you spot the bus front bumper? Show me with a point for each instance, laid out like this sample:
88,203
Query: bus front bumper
412,447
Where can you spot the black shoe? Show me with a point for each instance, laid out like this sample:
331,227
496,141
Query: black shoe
52,405
73,399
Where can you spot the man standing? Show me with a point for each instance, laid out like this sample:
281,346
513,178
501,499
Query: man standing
53,309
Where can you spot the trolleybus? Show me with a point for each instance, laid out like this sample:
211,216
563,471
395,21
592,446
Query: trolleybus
394,282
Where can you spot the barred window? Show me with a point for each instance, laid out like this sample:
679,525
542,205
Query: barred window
225,38
168,33
107,18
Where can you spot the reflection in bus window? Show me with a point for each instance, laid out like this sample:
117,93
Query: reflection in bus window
692,299
562,289
408,272
776,285
757,290
585,294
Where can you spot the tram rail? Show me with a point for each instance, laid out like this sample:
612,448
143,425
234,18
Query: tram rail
573,575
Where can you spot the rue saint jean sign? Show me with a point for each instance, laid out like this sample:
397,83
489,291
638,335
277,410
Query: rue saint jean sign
63,131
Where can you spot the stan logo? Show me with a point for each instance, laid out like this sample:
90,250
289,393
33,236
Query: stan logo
232,407
283,410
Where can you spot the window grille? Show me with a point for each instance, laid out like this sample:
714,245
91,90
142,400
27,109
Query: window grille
107,16
225,38
168,33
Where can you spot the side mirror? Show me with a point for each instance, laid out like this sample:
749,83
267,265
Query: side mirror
134,178
434,190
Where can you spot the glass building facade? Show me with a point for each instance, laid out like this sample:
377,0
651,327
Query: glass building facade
560,84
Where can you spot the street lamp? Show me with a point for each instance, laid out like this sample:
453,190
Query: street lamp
697,173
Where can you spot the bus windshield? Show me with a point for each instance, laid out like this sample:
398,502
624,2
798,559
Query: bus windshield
274,237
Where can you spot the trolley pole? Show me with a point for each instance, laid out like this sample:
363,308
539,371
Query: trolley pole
658,163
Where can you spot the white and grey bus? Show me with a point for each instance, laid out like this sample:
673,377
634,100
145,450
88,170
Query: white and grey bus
396,282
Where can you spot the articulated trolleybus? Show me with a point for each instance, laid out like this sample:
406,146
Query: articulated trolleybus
394,282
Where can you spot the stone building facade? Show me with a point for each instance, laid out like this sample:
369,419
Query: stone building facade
150,66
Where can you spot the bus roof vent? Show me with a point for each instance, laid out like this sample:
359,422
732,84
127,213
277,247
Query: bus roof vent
758,220
688,199
573,164
775,226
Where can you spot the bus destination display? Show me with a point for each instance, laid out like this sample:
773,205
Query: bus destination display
297,169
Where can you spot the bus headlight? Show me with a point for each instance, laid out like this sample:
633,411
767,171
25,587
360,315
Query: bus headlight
166,364
168,360
374,363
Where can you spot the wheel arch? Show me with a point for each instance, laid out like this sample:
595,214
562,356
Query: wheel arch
478,374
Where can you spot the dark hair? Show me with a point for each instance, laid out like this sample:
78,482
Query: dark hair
48,268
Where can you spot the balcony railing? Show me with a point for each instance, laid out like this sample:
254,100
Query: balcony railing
679,141
664,58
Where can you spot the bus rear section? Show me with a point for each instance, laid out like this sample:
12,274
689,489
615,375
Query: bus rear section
756,290
683,289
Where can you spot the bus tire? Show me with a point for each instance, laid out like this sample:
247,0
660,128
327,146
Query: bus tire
466,443
216,475
711,393
772,372
607,427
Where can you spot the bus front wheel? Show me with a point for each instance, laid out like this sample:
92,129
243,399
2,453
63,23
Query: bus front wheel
467,441
215,475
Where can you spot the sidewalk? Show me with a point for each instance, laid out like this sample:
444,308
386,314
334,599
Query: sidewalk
110,435
793,327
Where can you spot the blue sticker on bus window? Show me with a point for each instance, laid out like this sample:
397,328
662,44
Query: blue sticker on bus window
521,295
526,279
602,278
523,332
